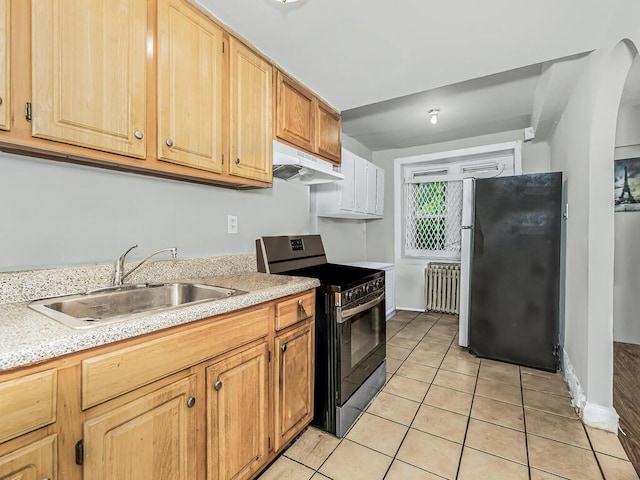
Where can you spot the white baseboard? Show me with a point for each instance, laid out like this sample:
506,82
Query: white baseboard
592,414
598,416
410,309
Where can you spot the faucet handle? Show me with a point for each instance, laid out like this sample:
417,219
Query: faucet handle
127,251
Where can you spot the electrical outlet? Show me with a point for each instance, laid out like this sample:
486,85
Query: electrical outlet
232,224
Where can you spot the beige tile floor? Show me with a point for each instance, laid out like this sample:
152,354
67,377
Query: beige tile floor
445,414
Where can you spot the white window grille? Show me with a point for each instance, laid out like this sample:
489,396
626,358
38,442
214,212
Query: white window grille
433,219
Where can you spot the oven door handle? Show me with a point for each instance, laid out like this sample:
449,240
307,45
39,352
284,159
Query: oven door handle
347,314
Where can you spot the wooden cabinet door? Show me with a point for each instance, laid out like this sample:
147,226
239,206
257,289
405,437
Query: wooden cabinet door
328,141
89,63
36,461
151,437
5,70
296,113
190,69
294,385
250,84
237,415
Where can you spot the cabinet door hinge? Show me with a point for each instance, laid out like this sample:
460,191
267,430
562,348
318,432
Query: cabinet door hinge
222,47
79,452
27,111
223,159
268,442
269,356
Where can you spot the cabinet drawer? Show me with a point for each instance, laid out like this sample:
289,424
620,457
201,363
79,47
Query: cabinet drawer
294,310
112,374
29,403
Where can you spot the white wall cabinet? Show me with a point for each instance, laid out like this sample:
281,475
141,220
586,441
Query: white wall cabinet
359,196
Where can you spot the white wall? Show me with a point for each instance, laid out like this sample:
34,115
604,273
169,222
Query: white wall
380,233
626,282
57,214
582,147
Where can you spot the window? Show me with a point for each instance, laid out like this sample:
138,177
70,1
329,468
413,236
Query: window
429,192
433,213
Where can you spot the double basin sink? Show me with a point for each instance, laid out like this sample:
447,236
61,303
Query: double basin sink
117,304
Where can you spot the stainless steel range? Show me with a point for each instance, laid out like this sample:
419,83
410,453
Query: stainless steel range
350,365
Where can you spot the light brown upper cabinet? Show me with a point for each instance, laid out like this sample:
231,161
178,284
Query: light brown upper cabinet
305,121
296,113
5,110
89,73
250,94
190,75
328,142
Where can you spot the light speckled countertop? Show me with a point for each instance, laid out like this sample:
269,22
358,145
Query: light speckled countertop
27,336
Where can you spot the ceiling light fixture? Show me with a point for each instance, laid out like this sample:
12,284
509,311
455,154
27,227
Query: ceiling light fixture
286,1
433,113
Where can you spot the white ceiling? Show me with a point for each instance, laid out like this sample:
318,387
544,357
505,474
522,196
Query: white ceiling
385,64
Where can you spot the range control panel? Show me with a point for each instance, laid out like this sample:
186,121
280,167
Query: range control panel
297,244
364,291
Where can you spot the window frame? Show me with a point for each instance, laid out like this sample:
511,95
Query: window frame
447,166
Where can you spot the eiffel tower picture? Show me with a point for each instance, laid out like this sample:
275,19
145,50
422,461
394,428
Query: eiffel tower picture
627,183
626,190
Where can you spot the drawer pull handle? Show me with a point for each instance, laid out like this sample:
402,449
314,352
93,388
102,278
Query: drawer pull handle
169,142
217,385
301,311
138,134
284,347
191,402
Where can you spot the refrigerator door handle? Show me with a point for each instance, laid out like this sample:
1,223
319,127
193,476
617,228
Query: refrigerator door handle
468,193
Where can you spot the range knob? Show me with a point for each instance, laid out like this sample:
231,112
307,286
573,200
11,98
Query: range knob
369,288
349,295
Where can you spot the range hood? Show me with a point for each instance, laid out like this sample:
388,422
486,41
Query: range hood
300,167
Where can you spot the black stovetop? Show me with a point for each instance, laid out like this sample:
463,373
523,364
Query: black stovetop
337,277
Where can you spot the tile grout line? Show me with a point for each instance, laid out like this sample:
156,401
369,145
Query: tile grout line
524,422
425,395
466,430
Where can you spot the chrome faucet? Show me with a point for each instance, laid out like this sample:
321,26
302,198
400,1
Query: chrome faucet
119,275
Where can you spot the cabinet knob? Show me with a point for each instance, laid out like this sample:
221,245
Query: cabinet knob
138,134
169,142
237,161
191,402
1,102
217,385
284,347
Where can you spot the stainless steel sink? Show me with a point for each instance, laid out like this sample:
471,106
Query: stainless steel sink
121,303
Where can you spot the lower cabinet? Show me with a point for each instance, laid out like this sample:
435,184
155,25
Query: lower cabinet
237,415
294,382
152,437
36,461
217,400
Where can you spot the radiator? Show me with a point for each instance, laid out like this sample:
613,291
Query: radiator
442,290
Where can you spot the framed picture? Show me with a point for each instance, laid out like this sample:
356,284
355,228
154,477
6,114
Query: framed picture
627,185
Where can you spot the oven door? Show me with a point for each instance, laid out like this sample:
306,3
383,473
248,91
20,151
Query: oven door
362,337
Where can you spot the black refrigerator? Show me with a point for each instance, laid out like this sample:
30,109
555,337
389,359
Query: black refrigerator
515,270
